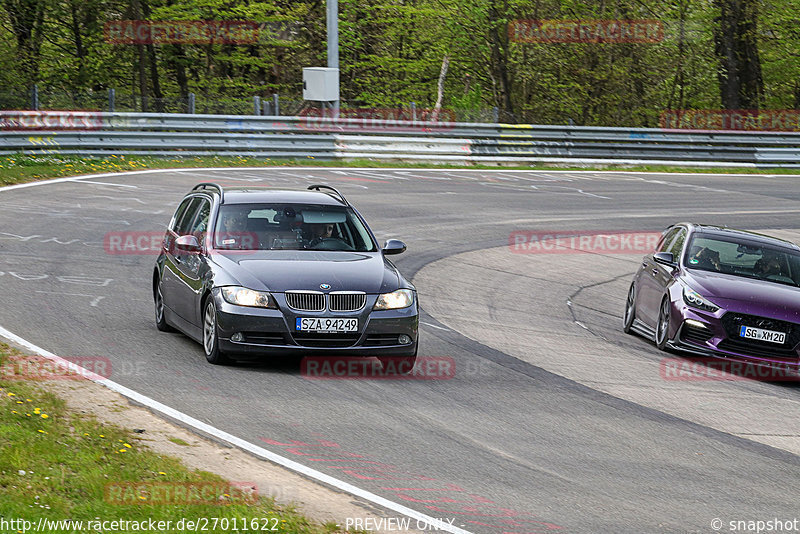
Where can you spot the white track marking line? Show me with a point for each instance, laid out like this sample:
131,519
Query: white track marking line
213,431
233,440
106,183
433,326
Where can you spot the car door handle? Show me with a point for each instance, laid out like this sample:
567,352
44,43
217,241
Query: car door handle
644,265
178,259
655,272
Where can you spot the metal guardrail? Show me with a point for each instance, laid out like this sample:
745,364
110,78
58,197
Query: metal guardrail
104,134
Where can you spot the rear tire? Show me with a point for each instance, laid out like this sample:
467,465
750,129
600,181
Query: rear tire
210,338
662,327
630,311
161,320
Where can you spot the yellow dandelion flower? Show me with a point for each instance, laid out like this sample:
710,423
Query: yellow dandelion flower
37,411
161,473
125,444
11,394
44,416
41,431
123,450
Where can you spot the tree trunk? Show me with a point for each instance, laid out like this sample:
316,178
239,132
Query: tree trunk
736,45
440,88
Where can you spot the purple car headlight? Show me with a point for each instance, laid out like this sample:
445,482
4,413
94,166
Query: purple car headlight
695,300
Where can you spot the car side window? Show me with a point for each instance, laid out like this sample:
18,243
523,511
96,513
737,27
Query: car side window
179,213
200,222
677,244
666,240
184,222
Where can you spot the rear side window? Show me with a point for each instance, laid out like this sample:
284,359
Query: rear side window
179,213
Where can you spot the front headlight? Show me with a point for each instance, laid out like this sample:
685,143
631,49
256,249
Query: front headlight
695,300
402,298
241,296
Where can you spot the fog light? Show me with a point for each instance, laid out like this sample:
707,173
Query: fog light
404,339
695,324
237,337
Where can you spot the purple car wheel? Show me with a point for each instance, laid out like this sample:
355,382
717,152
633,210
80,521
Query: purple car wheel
630,311
662,328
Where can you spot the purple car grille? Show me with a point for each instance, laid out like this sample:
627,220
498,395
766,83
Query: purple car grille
732,323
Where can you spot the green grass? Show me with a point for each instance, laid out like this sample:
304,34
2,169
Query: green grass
60,465
179,441
26,168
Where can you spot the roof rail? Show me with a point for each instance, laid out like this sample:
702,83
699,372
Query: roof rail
206,185
319,187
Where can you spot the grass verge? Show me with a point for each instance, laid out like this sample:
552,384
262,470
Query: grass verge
26,168
56,465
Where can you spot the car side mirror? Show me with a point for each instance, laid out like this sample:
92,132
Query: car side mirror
394,246
188,243
665,258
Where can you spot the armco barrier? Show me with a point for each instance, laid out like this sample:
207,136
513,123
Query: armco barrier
103,134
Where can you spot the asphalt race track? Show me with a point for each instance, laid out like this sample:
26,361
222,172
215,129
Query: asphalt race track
522,437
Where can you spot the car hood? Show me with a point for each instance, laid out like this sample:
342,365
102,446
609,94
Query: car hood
757,297
281,270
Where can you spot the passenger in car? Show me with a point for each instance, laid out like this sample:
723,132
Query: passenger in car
318,232
769,264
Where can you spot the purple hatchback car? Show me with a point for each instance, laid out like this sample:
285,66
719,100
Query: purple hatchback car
715,291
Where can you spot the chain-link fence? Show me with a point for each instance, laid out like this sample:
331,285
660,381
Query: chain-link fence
46,99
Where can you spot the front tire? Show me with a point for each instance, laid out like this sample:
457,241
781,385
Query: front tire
662,327
630,311
161,320
210,338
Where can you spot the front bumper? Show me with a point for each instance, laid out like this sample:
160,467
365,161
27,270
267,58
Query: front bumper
267,332
717,342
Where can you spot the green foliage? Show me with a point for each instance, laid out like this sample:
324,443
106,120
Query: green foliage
391,53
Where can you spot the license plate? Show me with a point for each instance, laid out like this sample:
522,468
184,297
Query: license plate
749,332
325,324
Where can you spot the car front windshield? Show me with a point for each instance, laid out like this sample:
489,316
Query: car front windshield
291,227
746,258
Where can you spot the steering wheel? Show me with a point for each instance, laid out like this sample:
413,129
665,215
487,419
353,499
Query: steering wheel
330,243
